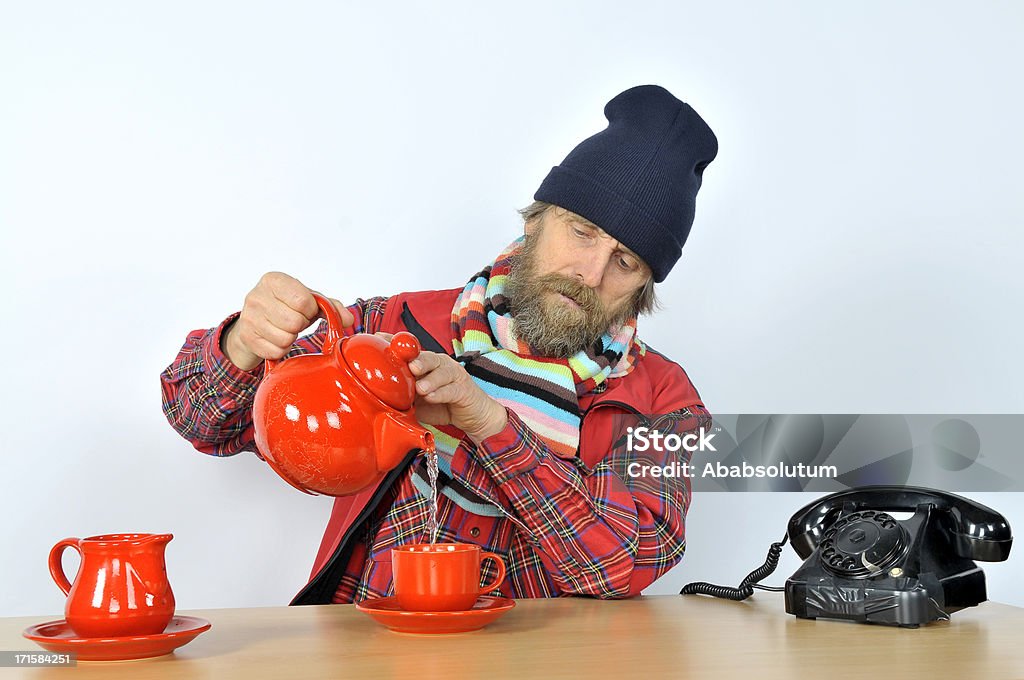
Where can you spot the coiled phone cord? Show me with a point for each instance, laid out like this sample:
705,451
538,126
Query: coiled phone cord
746,587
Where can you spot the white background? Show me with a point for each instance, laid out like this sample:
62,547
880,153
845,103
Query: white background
857,248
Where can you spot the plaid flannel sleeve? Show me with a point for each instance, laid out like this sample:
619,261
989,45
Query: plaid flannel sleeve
600,532
208,400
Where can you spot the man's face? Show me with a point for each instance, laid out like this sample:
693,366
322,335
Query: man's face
570,283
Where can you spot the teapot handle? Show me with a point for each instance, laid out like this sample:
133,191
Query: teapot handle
333,328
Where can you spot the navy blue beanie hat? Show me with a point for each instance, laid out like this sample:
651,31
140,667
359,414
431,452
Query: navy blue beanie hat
638,178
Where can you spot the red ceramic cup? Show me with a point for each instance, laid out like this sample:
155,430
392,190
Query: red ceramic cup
441,577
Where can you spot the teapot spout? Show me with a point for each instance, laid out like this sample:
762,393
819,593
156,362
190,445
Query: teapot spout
395,435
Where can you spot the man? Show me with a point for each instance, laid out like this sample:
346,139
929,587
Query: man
526,375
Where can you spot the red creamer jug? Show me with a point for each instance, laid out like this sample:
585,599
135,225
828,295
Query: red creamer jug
336,422
121,588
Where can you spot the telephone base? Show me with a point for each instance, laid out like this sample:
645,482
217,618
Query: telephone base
909,605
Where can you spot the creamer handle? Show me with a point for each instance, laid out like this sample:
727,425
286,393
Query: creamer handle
56,568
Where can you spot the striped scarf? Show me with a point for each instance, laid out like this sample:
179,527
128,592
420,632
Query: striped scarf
544,392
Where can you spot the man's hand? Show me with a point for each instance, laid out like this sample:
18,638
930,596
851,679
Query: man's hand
446,394
274,313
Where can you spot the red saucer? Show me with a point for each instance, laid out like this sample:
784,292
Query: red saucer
57,636
385,610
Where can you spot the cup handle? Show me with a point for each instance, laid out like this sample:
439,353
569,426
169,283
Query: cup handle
487,587
56,568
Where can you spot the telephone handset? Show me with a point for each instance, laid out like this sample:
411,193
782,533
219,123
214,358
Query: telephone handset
977,532
864,565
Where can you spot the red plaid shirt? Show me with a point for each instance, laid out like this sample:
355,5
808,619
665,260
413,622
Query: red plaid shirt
568,528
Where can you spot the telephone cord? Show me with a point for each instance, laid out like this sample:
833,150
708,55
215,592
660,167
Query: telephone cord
746,587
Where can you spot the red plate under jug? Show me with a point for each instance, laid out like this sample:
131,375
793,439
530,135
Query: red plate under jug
335,423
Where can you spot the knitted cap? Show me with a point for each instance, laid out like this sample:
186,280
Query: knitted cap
638,178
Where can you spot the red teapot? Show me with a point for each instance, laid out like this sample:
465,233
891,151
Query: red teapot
335,423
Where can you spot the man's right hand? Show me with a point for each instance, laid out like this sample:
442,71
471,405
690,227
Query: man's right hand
274,313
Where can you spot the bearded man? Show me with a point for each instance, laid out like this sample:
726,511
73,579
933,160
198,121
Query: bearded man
523,373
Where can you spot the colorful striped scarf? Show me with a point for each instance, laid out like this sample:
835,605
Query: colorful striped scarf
543,392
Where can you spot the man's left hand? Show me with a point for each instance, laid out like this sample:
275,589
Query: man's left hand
446,394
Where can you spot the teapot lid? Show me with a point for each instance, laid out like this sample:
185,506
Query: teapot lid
383,367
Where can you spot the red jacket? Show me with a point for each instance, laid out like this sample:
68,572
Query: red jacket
655,387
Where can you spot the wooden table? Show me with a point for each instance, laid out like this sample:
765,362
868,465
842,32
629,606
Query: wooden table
650,637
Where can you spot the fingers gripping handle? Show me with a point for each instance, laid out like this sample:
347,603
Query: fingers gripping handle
334,328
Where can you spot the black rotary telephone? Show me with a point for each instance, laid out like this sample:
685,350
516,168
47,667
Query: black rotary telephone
864,565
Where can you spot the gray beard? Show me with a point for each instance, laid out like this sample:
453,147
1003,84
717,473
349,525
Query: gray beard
550,327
